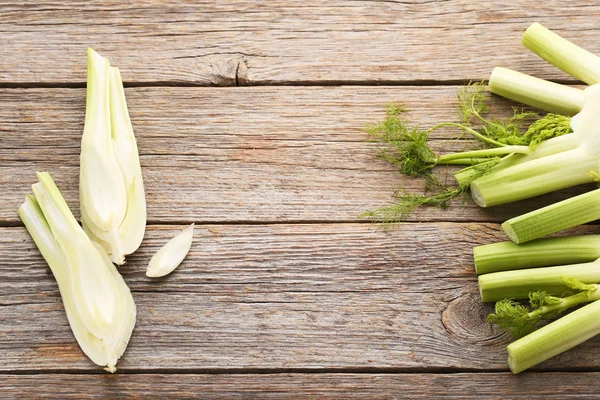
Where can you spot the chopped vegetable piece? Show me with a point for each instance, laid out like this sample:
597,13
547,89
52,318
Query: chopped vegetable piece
519,283
536,92
508,256
563,54
111,190
171,254
565,214
98,303
555,338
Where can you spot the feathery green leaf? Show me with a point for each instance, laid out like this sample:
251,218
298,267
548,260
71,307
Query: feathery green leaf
407,147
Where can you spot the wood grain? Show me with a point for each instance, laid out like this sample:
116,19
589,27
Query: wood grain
334,296
283,42
305,386
284,293
270,155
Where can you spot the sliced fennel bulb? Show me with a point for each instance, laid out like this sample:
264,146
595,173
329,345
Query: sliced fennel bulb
98,303
111,189
171,254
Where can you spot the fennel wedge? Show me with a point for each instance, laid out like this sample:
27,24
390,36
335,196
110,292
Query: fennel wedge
98,303
111,189
171,254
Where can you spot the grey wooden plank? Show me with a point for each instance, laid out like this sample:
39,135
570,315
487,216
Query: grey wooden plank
241,154
337,296
244,42
304,386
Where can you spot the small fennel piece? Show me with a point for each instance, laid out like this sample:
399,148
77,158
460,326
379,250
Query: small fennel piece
517,284
555,338
508,256
520,320
111,189
171,254
98,303
563,54
536,92
556,217
552,172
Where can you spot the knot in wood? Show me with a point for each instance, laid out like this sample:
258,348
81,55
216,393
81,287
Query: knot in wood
465,320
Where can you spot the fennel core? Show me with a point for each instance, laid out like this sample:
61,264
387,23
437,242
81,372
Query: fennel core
407,147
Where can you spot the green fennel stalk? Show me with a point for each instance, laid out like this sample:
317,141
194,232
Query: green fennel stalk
517,284
554,338
534,346
506,256
563,54
520,320
565,214
536,92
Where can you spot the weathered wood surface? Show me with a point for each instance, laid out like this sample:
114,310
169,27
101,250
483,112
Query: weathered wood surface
581,385
274,42
271,154
286,293
341,296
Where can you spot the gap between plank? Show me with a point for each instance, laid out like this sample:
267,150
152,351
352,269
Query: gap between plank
279,371
266,371
19,224
326,83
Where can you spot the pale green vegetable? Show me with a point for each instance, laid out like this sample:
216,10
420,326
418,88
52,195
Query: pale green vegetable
555,338
568,213
563,54
171,254
517,284
570,167
556,164
536,92
533,347
111,190
98,303
506,256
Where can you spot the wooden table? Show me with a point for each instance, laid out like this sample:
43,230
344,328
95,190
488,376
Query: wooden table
249,118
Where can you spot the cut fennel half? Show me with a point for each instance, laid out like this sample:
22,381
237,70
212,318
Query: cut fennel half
111,188
98,303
